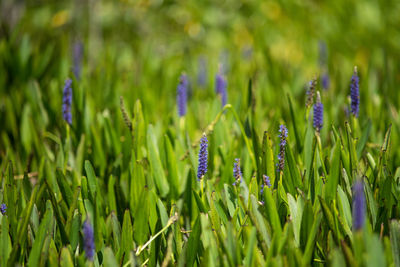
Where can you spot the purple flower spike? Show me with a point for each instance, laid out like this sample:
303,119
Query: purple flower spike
358,206
3,208
325,81
237,173
310,92
77,59
355,93
202,74
203,157
88,240
318,114
266,182
67,101
281,156
181,95
220,88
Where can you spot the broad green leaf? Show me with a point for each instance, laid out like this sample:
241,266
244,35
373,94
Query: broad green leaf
65,258
44,229
126,235
193,243
91,178
5,247
334,175
155,163
268,165
395,241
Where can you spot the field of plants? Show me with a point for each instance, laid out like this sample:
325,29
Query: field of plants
199,133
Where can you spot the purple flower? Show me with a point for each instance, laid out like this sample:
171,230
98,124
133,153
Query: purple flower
220,88
310,92
77,59
358,205
318,114
281,156
202,74
181,95
203,157
88,240
325,80
323,54
355,93
266,182
237,173
3,208
67,101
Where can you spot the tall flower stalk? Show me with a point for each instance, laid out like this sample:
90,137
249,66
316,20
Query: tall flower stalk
283,133
67,101
266,183
310,92
237,172
220,88
3,208
318,119
203,157
358,206
355,93
88,240
77,59
181,95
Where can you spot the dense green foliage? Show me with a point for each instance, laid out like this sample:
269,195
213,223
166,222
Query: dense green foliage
128,163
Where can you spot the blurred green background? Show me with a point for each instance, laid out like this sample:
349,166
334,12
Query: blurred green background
138,49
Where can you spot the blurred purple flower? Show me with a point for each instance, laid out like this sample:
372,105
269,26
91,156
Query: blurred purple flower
88,240
77,59
318,114
355,93
67,101
220,88
237,172
202,74
181,95
325,80
3,208
358,205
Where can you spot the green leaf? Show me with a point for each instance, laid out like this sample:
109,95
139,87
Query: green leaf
272,212
5,241
268,165
140,225
311,239
109,258
155,163
199,202
65,188
44,230
296,213
364,138
296,131
65,258
91,178
248,260
352,151
173,178
395,241
333,180
193,243
127,235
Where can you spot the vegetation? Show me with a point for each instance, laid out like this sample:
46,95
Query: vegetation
299,152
